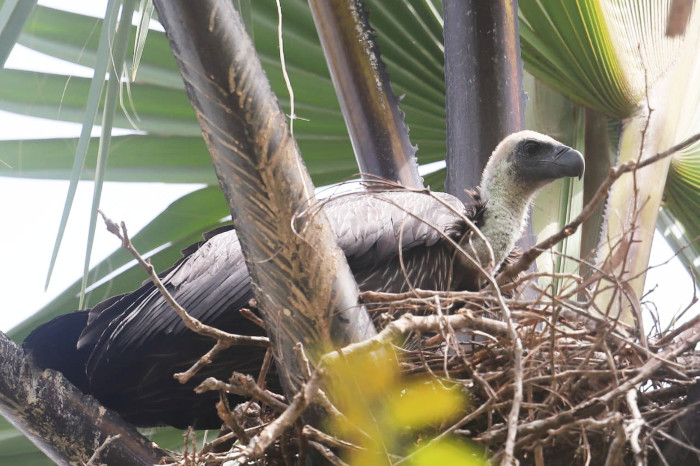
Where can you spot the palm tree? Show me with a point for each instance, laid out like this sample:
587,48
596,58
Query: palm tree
595,68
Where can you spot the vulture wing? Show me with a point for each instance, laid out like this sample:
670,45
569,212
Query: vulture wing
135,342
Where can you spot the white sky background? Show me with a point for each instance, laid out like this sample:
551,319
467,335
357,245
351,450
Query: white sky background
30,211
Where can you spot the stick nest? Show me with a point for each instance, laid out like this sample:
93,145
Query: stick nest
593,389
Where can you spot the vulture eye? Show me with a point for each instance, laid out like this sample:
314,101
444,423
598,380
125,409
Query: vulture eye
531,148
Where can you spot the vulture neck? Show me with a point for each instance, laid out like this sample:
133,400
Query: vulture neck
507,206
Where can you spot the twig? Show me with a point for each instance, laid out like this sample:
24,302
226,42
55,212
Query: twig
409,323
634,426
224,339
205,360
418,294
258,444
328,454
322,437
226,415
321,398
303,359
265,368
101,449
189,321
243,385
669,337
617,447
206,449
513,415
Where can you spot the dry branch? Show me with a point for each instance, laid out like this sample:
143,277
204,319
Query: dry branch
244,385
258,444
224,340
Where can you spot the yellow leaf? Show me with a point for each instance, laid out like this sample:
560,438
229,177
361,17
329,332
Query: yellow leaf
423,403
448,452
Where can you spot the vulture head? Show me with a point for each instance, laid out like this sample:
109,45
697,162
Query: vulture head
526,161
521,164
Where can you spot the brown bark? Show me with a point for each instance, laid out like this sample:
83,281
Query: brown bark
370,107
62,422
303,285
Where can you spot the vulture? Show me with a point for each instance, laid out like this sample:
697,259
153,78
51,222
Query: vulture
125,350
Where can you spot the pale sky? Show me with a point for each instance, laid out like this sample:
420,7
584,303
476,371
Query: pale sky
30,211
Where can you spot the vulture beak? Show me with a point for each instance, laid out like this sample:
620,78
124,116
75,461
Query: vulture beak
552,163
568,162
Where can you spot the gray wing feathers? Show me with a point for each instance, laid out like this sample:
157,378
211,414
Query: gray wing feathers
368,227
375,222
220,252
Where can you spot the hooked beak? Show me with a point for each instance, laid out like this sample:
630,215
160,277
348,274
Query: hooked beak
569,162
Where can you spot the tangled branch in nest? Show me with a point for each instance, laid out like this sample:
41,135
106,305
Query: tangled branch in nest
592,394
577,384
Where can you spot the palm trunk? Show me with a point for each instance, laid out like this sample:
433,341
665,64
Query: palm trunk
370,108
484,94
483,78
304,287
633,206
598,163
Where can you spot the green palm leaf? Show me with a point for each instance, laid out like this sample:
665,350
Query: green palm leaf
612,56
569,46
13,16
682,201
